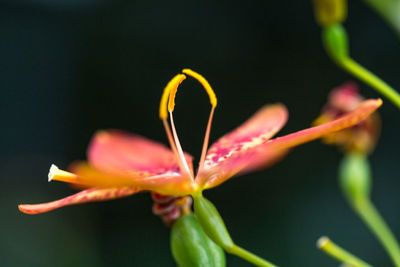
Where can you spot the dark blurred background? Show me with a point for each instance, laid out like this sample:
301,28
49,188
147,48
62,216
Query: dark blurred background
69,68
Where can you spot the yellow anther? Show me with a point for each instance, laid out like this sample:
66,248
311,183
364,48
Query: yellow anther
171,86
204,83
171,102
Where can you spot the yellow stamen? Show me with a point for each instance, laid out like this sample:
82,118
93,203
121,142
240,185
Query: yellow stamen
179,149
172,85
171,105
181,162
206,138
204,83
59,175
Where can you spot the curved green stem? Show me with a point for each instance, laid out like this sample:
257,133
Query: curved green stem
375,222
388,10
250,257
330,248
214,226
371,79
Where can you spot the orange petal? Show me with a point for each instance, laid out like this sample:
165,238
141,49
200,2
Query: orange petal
88,195
170,183
350,119
266,152
120,153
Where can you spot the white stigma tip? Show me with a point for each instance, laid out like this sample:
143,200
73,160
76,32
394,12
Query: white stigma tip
53,170
322,241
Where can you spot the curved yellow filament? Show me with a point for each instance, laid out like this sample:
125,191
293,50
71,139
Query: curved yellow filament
204,83
172,85
169,95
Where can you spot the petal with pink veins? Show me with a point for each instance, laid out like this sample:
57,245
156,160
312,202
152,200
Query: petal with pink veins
222,155
259,128
88,195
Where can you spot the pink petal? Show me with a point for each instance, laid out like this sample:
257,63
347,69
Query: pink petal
119,152
345,97
88,195
266,152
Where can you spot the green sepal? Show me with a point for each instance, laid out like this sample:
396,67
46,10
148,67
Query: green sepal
328,12
191,247
335,41
355,177
212,223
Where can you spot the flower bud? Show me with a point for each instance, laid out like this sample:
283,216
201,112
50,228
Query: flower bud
335,41
212,223
355,177
328,12
359,138
191,247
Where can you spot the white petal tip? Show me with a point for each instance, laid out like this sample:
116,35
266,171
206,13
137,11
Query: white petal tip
53,170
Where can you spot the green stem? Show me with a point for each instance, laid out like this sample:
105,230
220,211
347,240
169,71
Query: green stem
388,10
368,77
330,248
375,222
214,226
250,257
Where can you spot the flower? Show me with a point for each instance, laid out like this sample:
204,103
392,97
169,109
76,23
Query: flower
363,136
121,164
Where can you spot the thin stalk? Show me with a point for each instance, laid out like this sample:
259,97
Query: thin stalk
389,10
378,226
330,248
250,257
371,79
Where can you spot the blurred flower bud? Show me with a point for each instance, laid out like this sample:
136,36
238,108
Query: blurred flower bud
335,42
355,177
170,208
359,138
328,12
191,246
